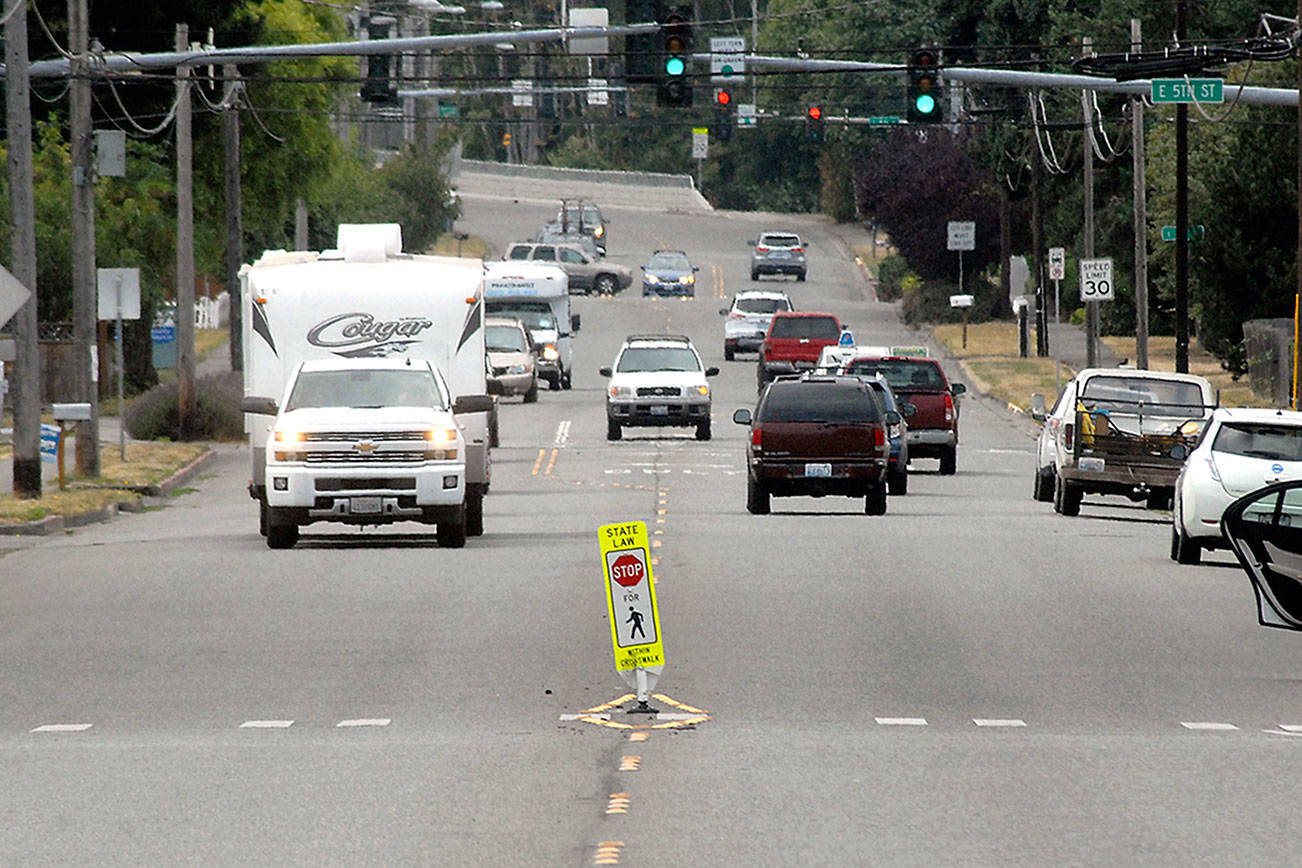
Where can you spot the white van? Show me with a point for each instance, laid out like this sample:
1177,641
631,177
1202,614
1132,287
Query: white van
538,294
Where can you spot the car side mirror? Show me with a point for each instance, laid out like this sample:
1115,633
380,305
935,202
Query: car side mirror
575,322
261,406
643,267
741,417
893,418
711,372
472,404
723,311
957,388
605,372
751,242
696,268
1039,412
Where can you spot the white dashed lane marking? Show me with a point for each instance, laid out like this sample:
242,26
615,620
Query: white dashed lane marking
901,721
63,727
365,721
998,721
266,724
1208,726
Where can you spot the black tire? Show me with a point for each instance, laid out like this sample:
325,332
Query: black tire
531,396
754,275
1044,485
494,433
761,377
1183,549
613,430
280,533
897,482
801,277
474,515
874,503
554,383
757,497
604,284
728,353
262,516
1066,497
567,381
1158,500
703,430
949,461
452,534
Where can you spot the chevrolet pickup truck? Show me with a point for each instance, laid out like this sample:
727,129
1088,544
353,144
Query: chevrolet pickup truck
793,343
1118,431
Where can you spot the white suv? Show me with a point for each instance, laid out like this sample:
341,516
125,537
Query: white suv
657,381
748,320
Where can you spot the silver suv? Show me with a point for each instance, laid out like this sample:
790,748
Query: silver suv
778,253
658,380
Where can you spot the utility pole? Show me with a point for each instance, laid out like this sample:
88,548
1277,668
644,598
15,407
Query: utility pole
1141,212
1037,243
22,259
1091,307
184,245
1297,298
1181,211
84,314
234,209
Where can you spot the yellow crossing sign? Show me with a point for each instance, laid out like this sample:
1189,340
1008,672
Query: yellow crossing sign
630,596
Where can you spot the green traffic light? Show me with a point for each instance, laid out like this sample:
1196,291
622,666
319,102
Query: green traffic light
675,66
924,104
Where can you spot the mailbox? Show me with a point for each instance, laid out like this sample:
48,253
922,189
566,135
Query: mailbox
71,412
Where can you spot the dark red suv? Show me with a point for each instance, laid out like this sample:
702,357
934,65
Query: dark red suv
794,341
817,435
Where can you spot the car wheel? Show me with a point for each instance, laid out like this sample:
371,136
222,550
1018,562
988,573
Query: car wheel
1066,497
800,276
262,516
554,383
613,430
494,434
605,284
1183,549
452,534
1158,500
949,461
703,430
754,275
1044,484
280,533
567,381
728,353
757,497
474,515
897,482
531,396
875,501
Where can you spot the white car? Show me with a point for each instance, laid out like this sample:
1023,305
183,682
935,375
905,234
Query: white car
1240,451
658,381
748,320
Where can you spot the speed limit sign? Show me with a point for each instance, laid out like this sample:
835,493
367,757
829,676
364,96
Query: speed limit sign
1096,280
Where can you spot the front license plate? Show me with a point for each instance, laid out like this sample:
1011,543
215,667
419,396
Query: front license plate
1096,464
659,410
823,470
364,505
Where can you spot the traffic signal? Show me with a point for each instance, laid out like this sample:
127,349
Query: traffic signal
924,87
814,123
674,52
640,60
378,87
723,113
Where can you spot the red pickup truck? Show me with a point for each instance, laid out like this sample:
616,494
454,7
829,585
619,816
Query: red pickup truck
933,429
793,343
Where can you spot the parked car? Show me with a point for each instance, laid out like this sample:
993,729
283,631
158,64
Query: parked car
658,380
585,274
748,320
778,253
1240,450
512,358
669,272
933,427
817,435
794,342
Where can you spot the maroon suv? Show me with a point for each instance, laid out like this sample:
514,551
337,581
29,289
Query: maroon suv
933,429
814,436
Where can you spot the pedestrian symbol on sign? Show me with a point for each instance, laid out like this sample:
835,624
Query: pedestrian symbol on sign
631,601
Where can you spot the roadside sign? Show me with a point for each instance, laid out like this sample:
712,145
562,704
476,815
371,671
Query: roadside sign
700,143
962,235
1057,263
597,17
597,93
961,300
1096,280
727,58
884,120
1177,90
13,295
746,114
1168,232
846,339
522,92
631,598
117,293
447,110
50,442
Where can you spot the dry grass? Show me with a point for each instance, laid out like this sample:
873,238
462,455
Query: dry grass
146,464
472,247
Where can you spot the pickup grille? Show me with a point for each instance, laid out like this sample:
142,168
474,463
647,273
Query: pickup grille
353,436
659,391
376,457
386,483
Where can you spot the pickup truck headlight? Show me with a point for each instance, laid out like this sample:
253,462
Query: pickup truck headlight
289,435
441,435
549,353
517,369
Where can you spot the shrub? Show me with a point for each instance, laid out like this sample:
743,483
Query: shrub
153,415
891,277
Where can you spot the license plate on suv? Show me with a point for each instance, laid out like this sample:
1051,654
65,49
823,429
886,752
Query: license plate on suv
659,410
818,470
364,505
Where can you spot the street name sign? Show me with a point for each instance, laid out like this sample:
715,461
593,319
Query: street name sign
727,58
746,114
884,120
1096,280
1177,90
1168,232
630,596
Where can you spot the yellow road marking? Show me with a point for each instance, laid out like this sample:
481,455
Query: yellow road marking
538,463
552,463
618,803
629,763
597,715
638,736
608,853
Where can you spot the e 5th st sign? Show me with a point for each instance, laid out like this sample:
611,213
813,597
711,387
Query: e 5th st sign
1177,90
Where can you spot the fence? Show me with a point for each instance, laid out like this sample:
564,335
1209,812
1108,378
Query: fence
1269,348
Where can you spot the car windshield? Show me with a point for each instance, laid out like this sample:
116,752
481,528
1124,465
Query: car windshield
762,305
822,327
504,339
365,389
537,315
900,374
780,241
1260,440
657,359
1142,394
669,262
817,402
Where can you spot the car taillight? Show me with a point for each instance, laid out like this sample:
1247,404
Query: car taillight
1069,436
879,437
797,250
761,249
757,438
736,315
949,407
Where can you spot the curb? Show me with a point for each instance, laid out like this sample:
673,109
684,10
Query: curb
53,524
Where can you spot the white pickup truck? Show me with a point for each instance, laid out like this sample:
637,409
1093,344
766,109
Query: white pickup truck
1118,431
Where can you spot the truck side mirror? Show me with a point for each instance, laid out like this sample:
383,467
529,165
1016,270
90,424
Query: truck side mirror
957,388
574,322
472,404
1038,410
909,411
261,406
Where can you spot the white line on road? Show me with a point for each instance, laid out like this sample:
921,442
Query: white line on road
1208,726
266,724
63,727
582,716
563,433
901,721
365,721
1291,727
998,721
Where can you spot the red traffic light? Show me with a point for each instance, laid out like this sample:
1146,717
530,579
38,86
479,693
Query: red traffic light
923,58
814,113
723,98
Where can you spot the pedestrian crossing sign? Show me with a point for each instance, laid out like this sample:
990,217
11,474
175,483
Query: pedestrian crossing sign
630,596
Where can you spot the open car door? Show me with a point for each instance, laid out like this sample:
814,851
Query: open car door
1265,530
